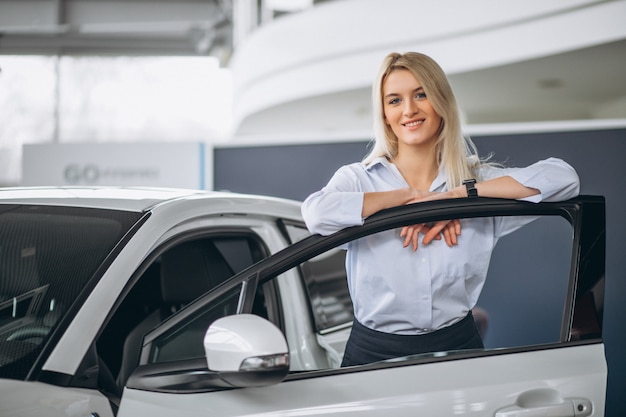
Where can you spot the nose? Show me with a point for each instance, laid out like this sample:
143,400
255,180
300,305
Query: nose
410,108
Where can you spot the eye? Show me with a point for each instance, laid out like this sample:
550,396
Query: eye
395,100
420,95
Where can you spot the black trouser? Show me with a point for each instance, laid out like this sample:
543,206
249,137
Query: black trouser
366,345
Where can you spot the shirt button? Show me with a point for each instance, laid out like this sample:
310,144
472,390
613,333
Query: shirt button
423,260
425,297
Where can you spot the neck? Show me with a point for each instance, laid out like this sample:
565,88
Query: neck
419,168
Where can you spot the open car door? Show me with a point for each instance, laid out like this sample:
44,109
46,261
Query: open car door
540,314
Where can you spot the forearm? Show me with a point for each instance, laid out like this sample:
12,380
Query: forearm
380,200
502,187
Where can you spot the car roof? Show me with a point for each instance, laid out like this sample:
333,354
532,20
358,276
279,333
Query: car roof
141,199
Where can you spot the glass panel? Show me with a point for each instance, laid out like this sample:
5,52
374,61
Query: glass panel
524,295
77,99
177,277
325,279
513,272
27,109
186,340
296,233
47,257
168,98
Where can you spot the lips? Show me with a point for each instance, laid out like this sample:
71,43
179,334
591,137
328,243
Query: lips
413,123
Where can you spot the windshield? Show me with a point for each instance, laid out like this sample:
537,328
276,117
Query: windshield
48,257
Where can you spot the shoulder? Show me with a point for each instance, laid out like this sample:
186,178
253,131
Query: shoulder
493,170
352,169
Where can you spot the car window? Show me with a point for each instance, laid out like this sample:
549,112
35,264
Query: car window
49,258
524,296
176,275
185,341
296,231
325,280
327,288
522,302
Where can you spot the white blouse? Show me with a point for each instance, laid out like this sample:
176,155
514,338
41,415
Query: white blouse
397,290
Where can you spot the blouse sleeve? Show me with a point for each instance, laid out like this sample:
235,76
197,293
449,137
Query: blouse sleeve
336,206
555,179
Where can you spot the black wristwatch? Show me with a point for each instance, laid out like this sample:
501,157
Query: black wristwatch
472,192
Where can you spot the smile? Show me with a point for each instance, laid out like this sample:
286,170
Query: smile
413,123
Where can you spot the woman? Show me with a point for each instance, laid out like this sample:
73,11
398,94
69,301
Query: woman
410,301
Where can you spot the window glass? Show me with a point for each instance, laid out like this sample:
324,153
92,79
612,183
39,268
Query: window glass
50,99
185,341
177,277
523,298
296,232
27,109
164,97
48,255
326,284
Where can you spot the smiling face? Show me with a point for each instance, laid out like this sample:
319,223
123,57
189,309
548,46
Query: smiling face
407,110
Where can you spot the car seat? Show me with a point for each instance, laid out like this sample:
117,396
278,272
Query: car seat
187,271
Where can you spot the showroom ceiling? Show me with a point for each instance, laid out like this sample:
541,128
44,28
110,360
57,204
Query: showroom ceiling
114,27
134,27
561,86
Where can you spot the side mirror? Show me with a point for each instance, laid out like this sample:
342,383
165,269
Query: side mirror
246,350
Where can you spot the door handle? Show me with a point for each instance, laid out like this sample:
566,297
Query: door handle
544,402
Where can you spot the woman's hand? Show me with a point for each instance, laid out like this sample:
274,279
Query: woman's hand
450,229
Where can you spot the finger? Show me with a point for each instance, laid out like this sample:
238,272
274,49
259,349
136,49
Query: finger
453,235
408,235
452,229
433,233
437,236
415,239
449,235
457,227
445,232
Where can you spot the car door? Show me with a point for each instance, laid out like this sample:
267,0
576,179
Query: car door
540,314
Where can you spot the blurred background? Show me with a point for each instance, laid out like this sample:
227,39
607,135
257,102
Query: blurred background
271,96
268,71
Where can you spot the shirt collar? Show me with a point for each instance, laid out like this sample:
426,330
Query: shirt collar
440,181
381,160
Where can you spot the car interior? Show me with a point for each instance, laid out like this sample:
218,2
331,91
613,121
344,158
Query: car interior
176,277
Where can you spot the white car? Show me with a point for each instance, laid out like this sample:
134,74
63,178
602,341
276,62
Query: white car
130,302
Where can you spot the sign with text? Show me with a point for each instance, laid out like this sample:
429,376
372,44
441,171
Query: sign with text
150,164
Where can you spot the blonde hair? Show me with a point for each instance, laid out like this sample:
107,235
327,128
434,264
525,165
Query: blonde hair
456,152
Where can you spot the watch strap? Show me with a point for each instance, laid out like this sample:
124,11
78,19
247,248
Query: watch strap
472,192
